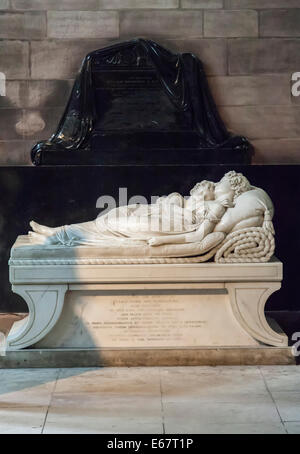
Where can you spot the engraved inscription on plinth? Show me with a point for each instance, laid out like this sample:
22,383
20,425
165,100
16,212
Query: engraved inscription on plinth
146,319
143,320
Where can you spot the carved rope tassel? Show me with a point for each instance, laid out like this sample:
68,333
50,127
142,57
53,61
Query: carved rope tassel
267,224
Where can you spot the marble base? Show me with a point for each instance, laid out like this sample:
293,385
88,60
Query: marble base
230,356
170,316
161,306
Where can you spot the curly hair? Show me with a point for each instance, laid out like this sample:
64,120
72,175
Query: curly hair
238,182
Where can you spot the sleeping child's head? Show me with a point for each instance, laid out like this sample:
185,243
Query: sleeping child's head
205,190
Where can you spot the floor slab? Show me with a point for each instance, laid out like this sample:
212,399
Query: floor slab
253,429
247,410
288,404
292,428
94,426
21,388
219,384
110,381
22,420
281,378
102,413
171,400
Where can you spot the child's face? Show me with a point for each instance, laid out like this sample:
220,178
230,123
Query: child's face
224,188
205,192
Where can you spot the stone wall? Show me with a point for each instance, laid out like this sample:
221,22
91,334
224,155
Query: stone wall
250,48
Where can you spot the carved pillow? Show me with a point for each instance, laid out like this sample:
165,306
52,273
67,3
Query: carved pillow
248,211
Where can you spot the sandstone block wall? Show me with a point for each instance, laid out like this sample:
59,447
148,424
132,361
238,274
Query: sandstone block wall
250,49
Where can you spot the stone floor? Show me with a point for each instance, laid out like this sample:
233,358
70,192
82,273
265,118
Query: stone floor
252,399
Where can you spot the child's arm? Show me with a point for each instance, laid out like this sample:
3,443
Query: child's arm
192,237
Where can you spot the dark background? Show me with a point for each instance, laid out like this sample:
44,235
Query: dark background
68,194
